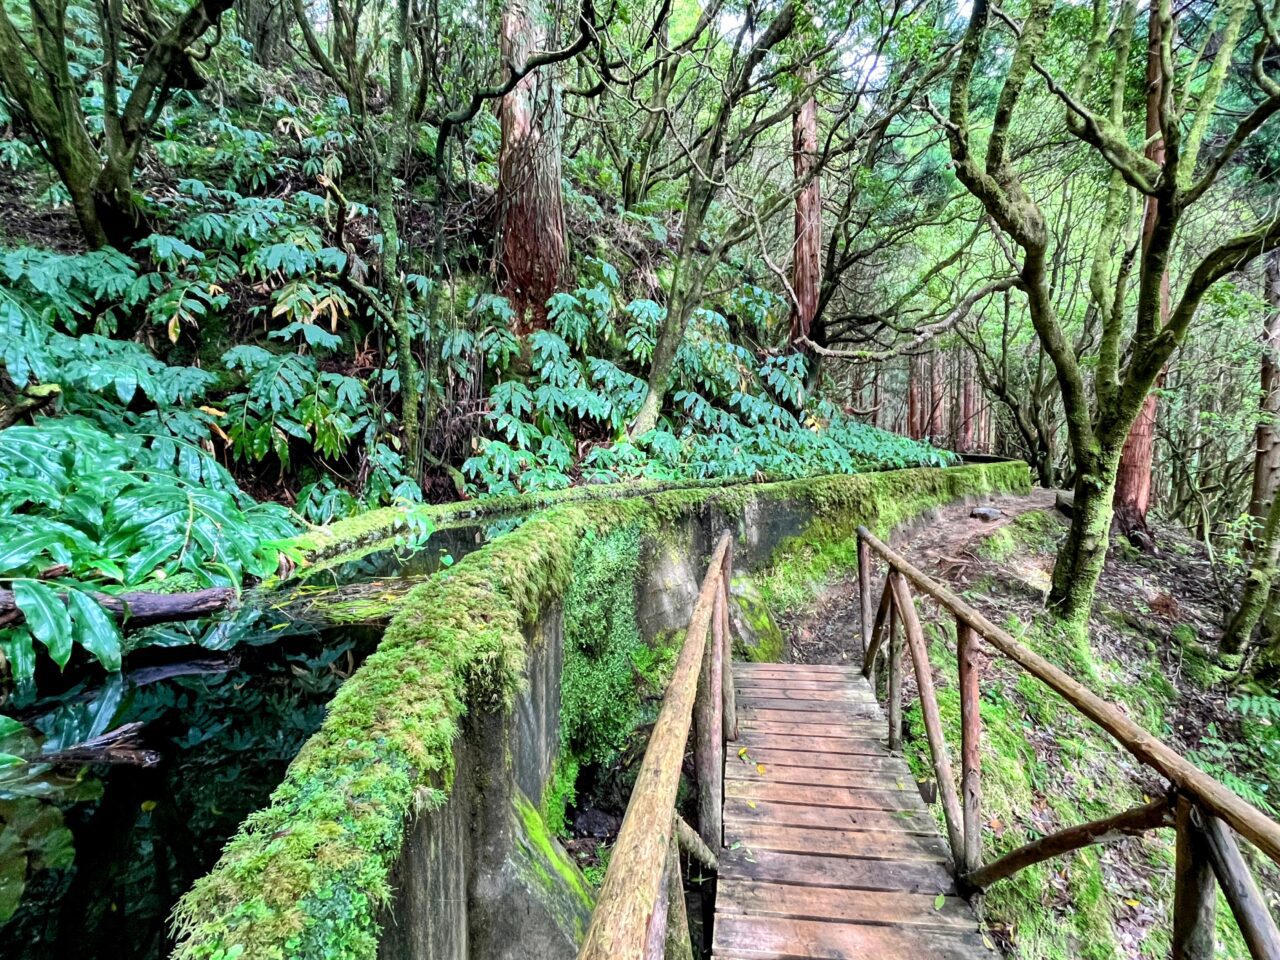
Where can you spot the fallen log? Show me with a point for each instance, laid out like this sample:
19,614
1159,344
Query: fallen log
142,609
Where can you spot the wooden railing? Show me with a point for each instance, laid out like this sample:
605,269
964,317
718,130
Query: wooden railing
1206,815
640,913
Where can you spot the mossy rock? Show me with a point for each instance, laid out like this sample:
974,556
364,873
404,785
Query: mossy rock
756,635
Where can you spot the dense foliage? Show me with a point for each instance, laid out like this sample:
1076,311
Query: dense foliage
269,265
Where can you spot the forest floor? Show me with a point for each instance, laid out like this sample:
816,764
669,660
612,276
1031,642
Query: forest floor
1156,619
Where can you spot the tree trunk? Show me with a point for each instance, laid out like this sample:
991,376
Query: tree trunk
806,268
967,390
116,205
875,395
937,397
915,397
1133,482
1257,585
1081,559
531,244
392,274
1266,465
261,23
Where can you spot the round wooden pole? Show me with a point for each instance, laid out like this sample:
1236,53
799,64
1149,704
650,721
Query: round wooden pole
932,720
970,745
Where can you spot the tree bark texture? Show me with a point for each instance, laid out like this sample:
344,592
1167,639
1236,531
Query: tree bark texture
916,416
531,242
1266,466
1084,553
1257,586
806,265
937,397
1133,479
967,405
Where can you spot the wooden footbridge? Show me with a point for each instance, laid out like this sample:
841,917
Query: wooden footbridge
812,834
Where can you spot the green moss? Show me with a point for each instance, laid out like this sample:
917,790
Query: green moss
765,642
599,695
551,855
306,877
1200,663
828,547
999,546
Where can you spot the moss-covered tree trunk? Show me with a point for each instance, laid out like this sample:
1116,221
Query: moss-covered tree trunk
1266,465
37,78
1133,482
1084,553
531,245
397,137
1257,585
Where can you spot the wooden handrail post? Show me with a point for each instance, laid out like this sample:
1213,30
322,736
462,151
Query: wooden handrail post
679,945
893,689
708,744
1246,819
877,635
1194,892
864,593
726,636
1241,889
970,744
634,890
932,719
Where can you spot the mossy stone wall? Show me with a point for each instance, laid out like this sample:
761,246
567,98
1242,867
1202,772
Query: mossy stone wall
311,876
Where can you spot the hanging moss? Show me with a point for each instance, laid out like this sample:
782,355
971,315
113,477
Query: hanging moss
304,878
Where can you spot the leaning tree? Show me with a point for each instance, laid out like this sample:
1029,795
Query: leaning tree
1201,134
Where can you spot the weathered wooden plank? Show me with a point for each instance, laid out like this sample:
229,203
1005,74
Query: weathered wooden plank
831,852
837,694
863,730
793,669
838,843
805,683
760,738
833,717
763,899
766,703
745,810
771,938
884,796
842,873
872,760
816,776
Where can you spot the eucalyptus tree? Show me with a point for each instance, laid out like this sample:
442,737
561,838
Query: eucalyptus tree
137,57
1133,344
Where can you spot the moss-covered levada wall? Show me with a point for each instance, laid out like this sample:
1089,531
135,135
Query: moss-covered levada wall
307,876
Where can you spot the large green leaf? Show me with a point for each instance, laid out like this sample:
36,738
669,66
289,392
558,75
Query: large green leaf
94,630
47,617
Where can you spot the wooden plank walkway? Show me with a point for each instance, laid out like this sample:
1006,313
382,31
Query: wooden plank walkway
830,852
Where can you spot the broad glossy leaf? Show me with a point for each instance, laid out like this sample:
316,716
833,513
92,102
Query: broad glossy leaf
47,617
94,630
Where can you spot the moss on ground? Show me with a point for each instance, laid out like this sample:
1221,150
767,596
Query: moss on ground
305,878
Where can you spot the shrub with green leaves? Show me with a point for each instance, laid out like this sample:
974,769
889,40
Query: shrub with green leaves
737,416
83,510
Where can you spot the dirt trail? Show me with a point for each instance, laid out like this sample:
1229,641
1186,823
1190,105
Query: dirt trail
829,630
